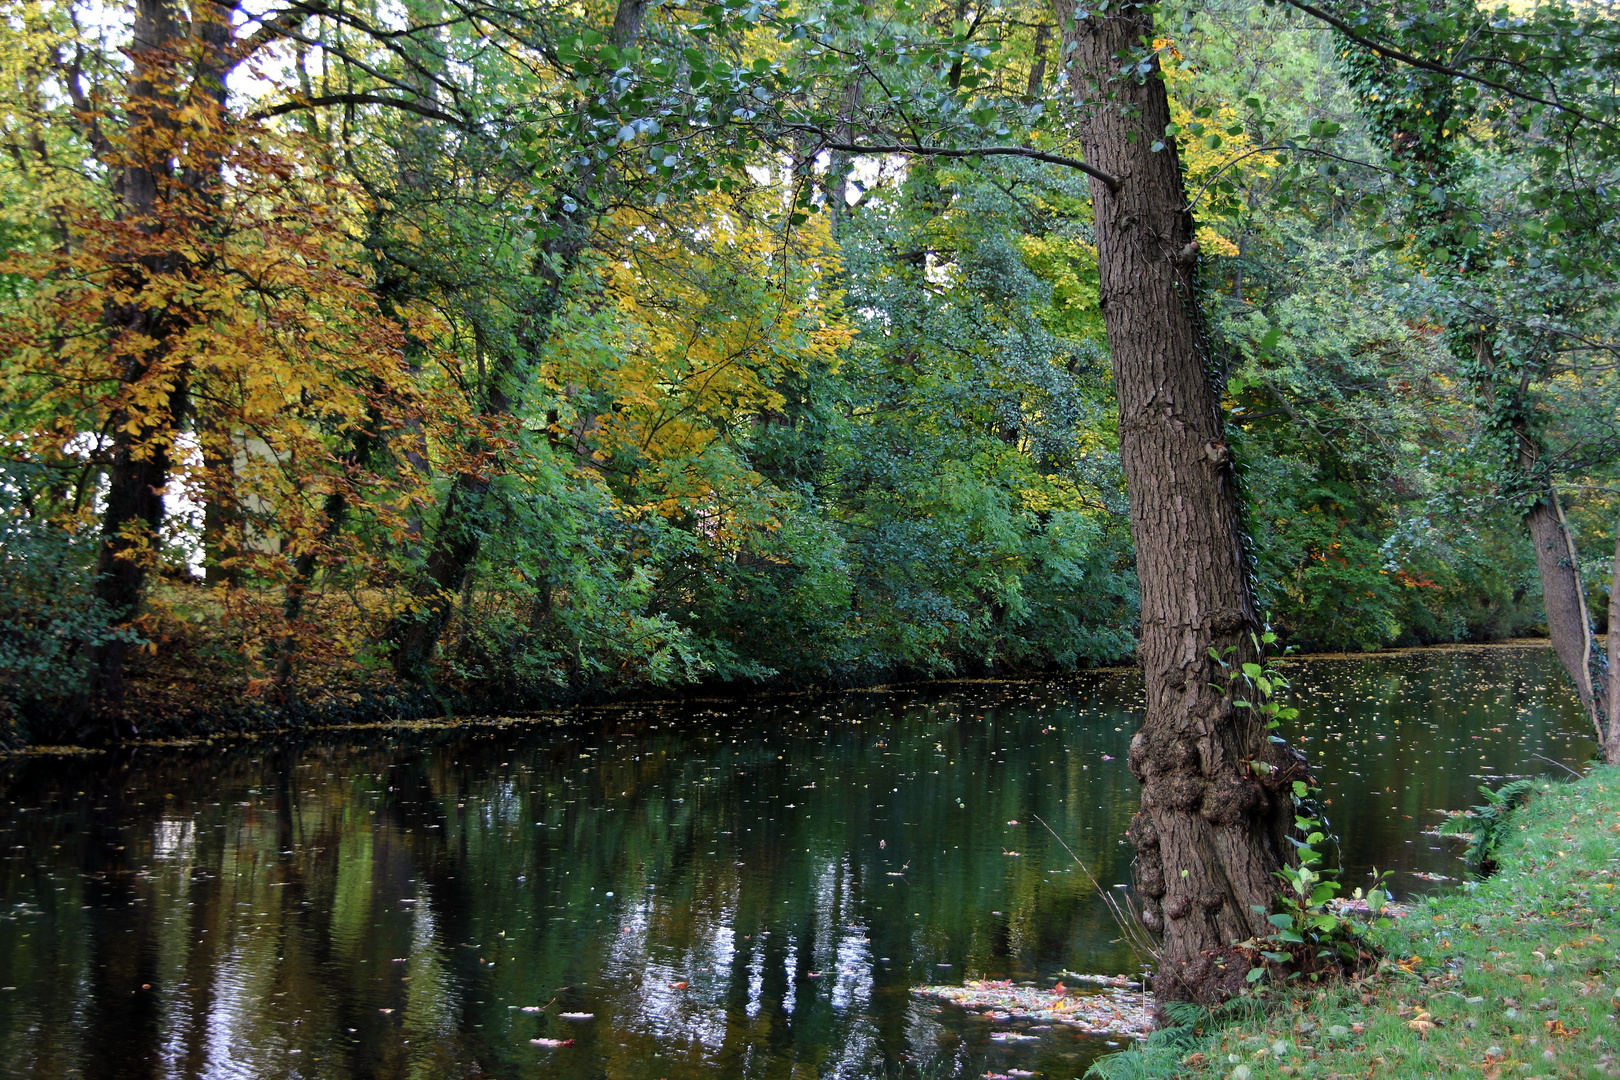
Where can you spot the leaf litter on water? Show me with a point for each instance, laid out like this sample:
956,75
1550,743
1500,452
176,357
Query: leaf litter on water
1113,1008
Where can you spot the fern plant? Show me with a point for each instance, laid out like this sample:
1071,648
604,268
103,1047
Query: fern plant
1487,826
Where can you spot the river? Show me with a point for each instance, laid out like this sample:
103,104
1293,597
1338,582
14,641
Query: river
713,889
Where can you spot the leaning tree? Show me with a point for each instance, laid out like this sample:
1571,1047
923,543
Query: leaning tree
1217,794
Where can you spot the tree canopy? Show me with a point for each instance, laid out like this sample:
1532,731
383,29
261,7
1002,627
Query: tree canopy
474,353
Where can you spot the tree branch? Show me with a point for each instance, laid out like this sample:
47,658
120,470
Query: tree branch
271,28
1280,148
1439,69
917,150
357,99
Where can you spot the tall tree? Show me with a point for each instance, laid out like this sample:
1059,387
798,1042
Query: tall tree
1505,128
580,192
1217,800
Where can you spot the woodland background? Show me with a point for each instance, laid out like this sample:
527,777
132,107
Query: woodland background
380,358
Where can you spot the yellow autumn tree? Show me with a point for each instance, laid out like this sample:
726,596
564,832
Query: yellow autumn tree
1212,138
217,344
705,313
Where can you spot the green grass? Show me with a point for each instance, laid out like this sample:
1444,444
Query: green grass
1516,976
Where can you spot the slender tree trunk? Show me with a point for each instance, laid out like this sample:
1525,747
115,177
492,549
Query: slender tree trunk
458,538
1212,828
334,512
1037,67
1569,625
222,516
1563,597
1611,743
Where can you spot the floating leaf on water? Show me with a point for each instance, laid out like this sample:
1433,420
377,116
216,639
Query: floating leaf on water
1113,1009
552,1042
577,1016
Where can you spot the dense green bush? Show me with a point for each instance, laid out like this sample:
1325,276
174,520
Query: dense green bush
49,616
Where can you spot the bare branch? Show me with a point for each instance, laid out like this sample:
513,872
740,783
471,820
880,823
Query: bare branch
324,100
917,150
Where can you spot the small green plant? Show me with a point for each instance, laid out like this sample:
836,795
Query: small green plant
1264,681
1487,826
1184,1027
1311,938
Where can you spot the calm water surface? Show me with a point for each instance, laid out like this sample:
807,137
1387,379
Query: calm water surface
727,890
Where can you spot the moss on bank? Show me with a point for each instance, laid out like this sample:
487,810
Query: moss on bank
1515,976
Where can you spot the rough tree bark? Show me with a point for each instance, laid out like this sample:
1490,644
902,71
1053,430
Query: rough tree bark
1212,828
1563,595
1569,623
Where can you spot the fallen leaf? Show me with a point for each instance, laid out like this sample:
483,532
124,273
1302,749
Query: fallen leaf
552,1042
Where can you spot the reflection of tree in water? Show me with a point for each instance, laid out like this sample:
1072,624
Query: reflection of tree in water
390,910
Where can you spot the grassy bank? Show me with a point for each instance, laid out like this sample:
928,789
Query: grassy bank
1516,976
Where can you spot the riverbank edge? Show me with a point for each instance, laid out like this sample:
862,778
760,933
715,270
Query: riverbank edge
1516,976
416,708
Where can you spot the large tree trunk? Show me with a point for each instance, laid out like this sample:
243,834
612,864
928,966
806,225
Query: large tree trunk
1212,830
154,388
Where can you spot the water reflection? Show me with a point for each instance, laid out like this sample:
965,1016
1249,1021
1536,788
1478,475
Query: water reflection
719,891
